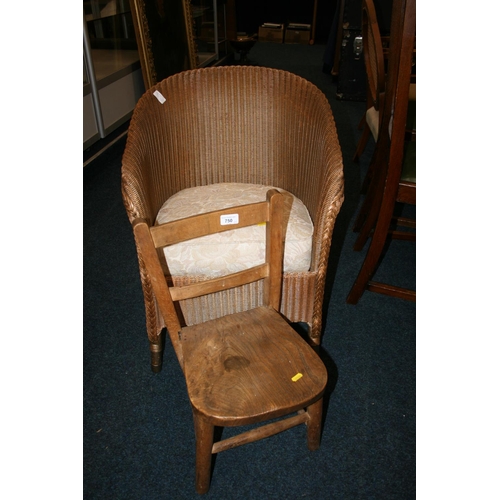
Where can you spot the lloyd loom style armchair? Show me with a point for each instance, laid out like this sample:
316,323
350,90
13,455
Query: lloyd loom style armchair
210,138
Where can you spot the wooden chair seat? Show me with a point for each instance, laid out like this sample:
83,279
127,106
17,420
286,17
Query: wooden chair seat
240,368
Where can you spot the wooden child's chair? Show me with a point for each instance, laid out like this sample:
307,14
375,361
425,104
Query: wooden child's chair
242,368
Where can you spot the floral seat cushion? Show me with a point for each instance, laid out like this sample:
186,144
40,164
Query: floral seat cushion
237,249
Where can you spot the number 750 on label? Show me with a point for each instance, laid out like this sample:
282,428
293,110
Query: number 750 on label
227,220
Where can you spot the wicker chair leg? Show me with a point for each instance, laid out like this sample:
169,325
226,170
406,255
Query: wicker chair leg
315,343
156,349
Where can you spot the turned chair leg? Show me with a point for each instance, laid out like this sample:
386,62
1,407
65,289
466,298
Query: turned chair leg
315,412
204,431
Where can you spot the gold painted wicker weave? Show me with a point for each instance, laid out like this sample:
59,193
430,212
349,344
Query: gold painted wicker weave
237,124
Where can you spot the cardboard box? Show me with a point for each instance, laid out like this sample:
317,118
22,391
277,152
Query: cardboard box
298,33
270,32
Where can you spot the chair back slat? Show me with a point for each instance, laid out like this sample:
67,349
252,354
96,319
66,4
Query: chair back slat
214,222
221,283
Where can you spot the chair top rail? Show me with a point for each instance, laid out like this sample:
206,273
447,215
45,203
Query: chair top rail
213,222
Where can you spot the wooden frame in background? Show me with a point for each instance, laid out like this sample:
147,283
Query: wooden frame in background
164,38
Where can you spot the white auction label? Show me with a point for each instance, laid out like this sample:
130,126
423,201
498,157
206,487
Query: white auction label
159,96
226,220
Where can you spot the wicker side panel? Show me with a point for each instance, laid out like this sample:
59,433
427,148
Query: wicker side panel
297,298
154,320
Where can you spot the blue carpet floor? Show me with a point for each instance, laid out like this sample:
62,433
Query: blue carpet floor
138,432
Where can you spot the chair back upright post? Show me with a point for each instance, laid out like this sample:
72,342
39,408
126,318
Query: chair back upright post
395,113
374,61
274,250
373,54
